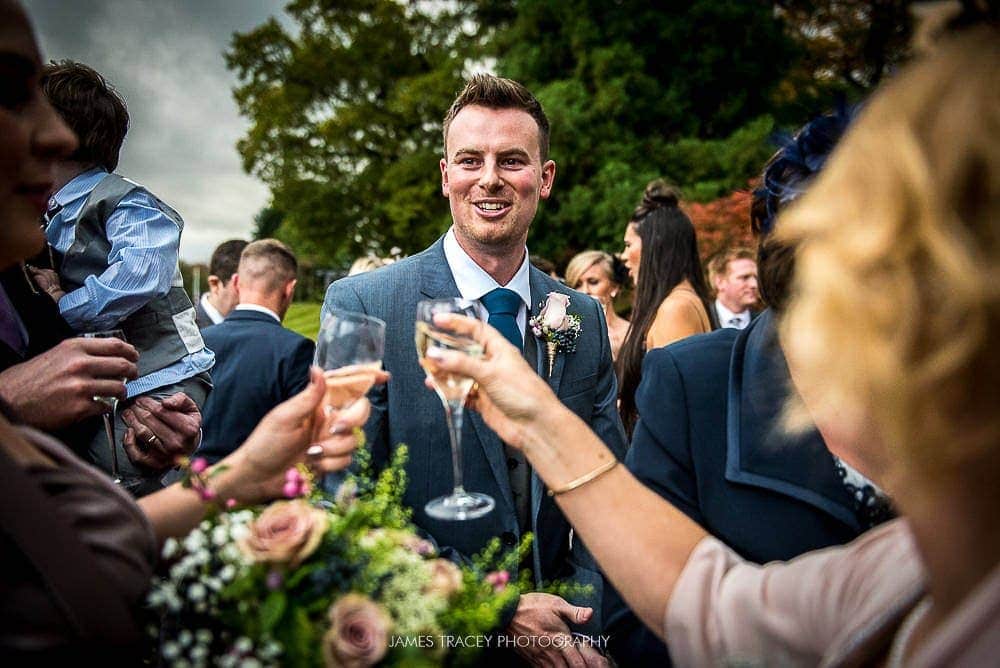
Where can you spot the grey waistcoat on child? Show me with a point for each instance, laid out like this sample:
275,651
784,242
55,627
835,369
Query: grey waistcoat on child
164,330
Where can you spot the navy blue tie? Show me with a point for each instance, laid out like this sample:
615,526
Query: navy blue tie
503,305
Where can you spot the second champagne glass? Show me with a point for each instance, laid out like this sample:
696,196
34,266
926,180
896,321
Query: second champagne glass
349,349
111,405
452,389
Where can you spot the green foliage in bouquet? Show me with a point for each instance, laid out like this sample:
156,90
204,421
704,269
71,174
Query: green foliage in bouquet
314,580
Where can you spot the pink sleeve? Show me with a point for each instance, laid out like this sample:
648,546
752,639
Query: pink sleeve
724,609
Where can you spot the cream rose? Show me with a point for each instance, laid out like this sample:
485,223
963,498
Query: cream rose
287,532
358,635
553,314
446,578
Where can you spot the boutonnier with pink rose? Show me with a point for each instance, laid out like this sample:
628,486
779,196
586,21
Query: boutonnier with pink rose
321,580
554,325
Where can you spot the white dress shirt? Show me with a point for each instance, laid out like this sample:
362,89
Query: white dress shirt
210,310
473,282
729,319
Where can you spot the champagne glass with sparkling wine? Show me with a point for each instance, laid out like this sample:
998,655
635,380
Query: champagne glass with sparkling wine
349,349
452,389
111,405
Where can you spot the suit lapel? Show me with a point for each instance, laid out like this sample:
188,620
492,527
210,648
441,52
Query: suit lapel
437,282
757,452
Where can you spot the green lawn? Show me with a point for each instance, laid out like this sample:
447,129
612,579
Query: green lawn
303,317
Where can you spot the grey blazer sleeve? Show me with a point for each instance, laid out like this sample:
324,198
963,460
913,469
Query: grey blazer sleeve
344,297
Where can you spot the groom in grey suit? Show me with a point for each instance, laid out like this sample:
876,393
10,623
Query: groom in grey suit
494,172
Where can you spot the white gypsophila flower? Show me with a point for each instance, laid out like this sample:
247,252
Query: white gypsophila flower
220,536
226,661
170,547
215,584
199,652
194,541
243,645
250,662
196,592
185,638
203,636
170,650
270,651
227,573
239,532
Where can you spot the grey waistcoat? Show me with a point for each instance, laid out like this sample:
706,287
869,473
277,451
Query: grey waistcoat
164,330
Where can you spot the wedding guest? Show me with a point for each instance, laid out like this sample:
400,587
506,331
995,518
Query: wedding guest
593,273
910,199
708,439
258,363
116,248
495,170
671,298
78,552
222,297
733,275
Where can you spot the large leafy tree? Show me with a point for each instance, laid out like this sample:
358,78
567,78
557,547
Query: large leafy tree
637,90
345,120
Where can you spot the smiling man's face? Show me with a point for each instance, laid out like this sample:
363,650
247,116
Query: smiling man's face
493,177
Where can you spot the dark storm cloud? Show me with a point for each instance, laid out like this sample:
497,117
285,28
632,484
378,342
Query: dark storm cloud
166,57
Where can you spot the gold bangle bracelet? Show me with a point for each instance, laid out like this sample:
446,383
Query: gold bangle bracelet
584,479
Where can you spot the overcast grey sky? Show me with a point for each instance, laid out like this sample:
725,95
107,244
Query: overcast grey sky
165,56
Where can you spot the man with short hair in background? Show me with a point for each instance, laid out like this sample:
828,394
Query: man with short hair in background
221,298
258,363
733,274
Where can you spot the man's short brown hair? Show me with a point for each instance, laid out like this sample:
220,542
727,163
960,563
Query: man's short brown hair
270,261
493,92
718,266
91,107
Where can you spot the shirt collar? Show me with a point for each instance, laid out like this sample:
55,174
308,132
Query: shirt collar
209,308
472,280
725,315
81,184
259,309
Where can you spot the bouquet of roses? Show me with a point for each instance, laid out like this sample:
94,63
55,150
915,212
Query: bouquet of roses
312,581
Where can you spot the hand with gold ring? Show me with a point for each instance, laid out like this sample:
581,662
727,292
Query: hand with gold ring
161,430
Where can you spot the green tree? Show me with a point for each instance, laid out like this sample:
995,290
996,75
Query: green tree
345,120
636,90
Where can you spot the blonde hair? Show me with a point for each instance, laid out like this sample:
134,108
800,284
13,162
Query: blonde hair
581,262
367,263
896,298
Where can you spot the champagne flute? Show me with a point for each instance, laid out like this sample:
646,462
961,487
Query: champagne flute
349,349
452,389
110,404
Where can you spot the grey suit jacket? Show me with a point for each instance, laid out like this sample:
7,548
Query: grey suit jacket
405,411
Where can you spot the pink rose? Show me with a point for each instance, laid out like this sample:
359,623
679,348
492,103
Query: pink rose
358,635
553,314
287,532
446,578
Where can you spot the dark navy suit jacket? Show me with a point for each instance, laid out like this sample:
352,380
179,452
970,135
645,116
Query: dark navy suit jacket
258,364
708,441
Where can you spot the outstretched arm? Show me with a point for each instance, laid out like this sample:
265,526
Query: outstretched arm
641,542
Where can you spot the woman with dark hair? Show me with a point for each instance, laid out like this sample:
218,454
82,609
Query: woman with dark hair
672,300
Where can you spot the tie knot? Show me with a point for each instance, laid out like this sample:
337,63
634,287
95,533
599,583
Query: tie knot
502,301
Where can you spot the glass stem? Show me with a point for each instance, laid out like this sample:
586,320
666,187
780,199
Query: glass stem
109,428
454,415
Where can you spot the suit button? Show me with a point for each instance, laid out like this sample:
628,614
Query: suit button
508,539
511,463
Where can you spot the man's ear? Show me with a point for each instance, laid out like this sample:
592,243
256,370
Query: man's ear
235,283
290,289
444,177
214,282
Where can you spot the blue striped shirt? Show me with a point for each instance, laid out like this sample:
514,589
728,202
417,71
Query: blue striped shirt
144,248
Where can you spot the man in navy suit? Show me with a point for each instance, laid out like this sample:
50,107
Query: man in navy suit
494,172
733,275
258,363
